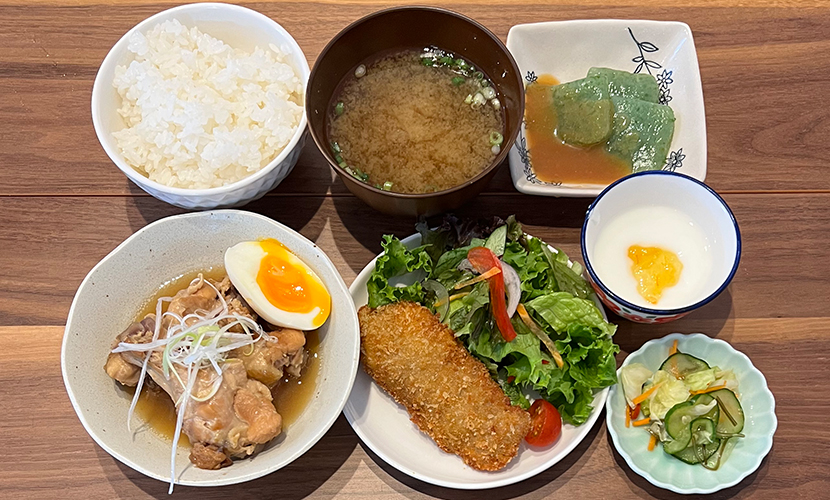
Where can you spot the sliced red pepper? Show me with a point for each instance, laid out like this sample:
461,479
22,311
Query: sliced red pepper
635,412
483,260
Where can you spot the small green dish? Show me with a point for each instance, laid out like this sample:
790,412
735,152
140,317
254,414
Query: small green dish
665,471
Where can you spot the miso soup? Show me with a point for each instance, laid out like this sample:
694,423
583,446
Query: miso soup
416,121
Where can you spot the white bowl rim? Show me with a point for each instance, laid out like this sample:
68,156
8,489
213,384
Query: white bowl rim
218,482
609,415
646,310
116,157
600,397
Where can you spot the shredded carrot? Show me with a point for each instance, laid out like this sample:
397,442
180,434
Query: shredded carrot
709,389
481,277
673,349
527,320
652,442
627,415
642,397
452,298
641,422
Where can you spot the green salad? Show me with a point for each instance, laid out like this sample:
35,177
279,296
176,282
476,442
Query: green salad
688,406
513,302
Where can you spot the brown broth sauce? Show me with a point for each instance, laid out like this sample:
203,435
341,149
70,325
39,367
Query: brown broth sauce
291,395
555,161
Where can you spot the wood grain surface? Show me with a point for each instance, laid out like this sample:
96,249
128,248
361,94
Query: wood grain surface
765,68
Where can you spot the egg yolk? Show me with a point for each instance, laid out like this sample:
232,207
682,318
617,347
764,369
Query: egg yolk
655,270
288,285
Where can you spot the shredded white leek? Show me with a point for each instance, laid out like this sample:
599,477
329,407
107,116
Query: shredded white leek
192,343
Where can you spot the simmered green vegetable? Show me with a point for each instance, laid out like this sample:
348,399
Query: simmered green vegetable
642,133
584,113
624,84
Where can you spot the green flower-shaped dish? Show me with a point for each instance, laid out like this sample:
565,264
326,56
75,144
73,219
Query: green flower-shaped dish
665,471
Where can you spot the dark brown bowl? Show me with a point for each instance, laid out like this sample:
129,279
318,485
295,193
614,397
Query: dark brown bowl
406,28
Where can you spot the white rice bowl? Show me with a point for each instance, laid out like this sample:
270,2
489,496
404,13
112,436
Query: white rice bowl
201,114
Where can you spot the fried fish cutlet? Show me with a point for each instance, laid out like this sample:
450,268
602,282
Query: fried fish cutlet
448,393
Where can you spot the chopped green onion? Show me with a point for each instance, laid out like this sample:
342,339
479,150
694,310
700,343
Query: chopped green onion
387,186
496,138
478,100
426,61
488,92
335,147
458,80
338,108
342,164
496,104
469,99
359,174
360,71
478,75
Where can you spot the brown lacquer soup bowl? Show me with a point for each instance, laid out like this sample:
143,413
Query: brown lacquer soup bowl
408,28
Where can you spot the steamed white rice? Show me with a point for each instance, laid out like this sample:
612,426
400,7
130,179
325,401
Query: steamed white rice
200,113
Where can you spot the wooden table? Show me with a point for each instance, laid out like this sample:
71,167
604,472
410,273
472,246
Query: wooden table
63,206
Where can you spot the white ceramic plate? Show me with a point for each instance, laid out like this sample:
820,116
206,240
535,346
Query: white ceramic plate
568,49
667,472
112,294
385,427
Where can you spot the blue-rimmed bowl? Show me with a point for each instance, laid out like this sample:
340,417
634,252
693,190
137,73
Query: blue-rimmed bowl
658,189
665,471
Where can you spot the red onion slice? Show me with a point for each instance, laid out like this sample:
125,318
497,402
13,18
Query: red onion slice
513,287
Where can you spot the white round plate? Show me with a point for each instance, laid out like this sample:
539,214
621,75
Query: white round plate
384,426
667,472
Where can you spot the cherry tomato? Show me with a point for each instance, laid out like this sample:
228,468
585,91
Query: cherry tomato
545,424
483,259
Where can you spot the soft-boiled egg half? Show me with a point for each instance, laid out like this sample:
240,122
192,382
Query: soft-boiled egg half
279,286
654,257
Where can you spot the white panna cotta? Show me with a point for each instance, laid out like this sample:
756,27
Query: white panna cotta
653,226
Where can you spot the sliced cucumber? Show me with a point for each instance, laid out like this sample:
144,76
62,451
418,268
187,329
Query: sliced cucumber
717,458
729,407
705,399
699,452
678,424
689,455
681,364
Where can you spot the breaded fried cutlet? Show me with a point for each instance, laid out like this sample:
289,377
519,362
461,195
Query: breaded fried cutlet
448,393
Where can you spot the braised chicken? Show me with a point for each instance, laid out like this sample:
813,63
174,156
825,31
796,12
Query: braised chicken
240,416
